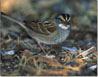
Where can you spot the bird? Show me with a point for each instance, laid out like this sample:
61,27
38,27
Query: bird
50,32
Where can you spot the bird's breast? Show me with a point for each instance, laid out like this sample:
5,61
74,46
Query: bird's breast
62,36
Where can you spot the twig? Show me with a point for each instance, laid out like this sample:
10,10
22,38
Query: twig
42,48
85,51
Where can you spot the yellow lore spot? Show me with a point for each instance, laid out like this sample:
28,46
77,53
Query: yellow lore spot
68,20
63,19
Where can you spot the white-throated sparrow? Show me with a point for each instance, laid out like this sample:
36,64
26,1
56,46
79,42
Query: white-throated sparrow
47,32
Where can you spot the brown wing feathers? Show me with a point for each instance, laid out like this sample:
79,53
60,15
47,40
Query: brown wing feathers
40,27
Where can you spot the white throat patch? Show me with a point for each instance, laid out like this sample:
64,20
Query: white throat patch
64,27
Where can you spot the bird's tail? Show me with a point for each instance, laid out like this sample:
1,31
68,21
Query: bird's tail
12,19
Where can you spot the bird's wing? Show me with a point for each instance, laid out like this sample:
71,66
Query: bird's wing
46,27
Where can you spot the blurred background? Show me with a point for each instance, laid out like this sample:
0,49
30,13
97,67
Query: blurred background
14,40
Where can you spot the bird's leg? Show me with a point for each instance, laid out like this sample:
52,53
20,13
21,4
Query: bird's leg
42,48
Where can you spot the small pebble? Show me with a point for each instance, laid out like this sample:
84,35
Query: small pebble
11,52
